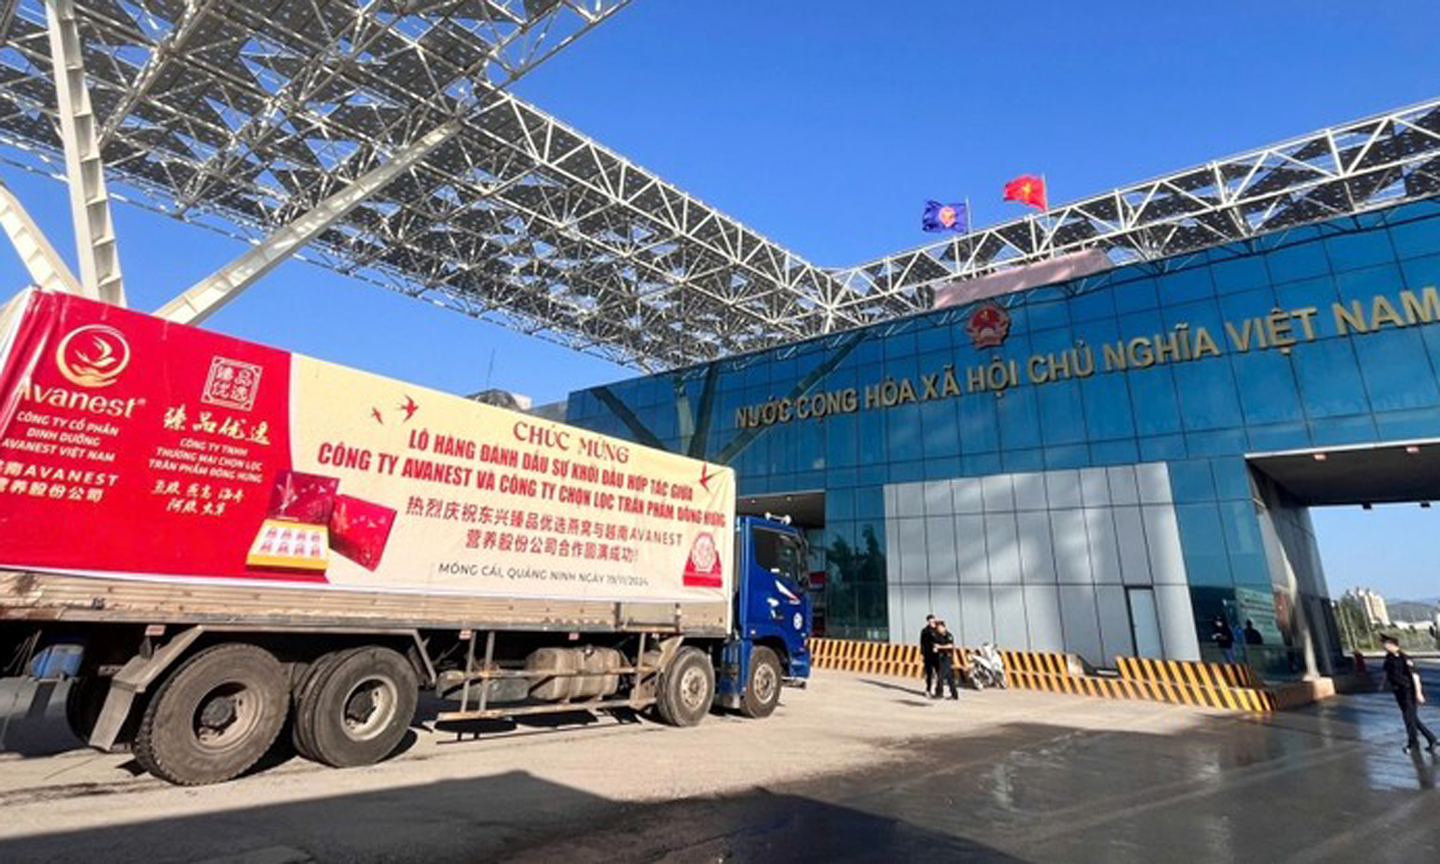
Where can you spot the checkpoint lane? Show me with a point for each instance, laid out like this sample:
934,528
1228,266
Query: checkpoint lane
855,768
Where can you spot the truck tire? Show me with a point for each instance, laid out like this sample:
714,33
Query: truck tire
301,696
214,716
83,704
358,708
687,688
762,691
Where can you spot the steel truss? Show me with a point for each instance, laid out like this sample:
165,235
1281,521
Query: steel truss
1365,165
275,122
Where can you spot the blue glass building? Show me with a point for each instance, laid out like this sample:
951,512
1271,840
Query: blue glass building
1105,466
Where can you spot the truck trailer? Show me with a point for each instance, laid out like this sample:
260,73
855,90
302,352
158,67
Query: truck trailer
222,543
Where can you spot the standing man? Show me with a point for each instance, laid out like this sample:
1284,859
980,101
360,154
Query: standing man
927,652
944,661
1404,681
1224,638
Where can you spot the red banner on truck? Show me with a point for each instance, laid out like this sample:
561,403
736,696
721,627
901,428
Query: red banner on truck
130,446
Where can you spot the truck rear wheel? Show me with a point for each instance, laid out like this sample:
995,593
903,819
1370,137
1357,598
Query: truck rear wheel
762,691
303,695
358,707
83,703
687,688
214,716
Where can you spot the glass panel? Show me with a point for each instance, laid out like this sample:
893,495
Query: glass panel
1144,622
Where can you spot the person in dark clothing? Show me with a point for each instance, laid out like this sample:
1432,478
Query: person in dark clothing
927,652
1252,636
1223,638
1404,682
944,662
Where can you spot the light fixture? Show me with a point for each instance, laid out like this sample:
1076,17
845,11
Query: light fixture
1365,506
1412,449
1425,504
1321,457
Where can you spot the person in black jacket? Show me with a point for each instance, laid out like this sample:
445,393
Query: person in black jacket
927,651
1404,682
944,661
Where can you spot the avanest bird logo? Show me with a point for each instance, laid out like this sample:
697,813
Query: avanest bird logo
92,356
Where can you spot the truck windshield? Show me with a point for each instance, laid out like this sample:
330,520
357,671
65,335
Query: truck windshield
781,554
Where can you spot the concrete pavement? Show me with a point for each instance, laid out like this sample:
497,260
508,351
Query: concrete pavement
855,768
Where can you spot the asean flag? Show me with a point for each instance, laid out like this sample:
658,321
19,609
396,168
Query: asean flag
1027,190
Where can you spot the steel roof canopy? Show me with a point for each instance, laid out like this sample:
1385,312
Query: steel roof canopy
248,117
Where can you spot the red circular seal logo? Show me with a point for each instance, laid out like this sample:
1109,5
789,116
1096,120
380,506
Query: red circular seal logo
988,326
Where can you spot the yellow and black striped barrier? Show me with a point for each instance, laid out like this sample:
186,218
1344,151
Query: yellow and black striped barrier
1187,682
874,658
1227,686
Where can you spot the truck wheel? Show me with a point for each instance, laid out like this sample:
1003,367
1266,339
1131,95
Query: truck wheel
762,691
83,704
301,697
687,688
214,717
359,707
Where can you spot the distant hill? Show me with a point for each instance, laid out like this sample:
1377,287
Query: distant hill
1411,610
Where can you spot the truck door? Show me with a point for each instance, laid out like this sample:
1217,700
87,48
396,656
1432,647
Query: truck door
774,603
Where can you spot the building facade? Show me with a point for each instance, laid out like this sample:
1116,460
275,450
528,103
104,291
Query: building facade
1115,465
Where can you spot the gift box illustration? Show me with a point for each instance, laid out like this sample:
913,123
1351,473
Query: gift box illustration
360,529
301,497
286,545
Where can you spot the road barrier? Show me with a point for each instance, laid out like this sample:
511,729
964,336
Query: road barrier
1228,686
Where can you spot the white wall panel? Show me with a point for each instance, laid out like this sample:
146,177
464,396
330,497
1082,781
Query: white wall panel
1082,624
1134,556
1011,631
1002,546
977,621
972,561
1042,617
1037,552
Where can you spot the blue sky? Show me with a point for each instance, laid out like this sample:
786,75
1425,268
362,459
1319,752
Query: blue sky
825,124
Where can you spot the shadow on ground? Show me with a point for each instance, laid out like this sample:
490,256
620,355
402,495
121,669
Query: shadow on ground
1213,788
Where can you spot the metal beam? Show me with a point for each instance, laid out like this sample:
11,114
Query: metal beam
47,269
89,200
210,294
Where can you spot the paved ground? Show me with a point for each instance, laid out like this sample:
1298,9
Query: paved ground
854,769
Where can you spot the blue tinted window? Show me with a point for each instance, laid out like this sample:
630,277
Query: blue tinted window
1061,413
1302,261
1203,540
1108,412
1152,392
1266,385
1352,251
1397,370
978,424
1330,382
1191,480
1121,452
1240,274
1135,295
1185,286
1416,238
1334,431
1092,305
1019,418
941,428
1364,284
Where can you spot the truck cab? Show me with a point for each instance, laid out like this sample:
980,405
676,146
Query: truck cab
772,616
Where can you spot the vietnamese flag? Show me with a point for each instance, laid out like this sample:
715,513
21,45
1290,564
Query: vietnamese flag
1027,190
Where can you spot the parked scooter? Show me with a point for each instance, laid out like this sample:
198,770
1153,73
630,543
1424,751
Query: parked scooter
988,668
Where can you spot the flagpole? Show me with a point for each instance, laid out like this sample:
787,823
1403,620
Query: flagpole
1045,185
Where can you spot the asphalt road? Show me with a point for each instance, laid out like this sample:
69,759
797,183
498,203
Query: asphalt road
854,769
